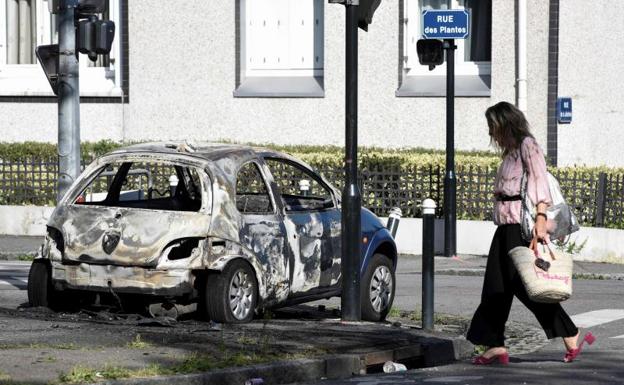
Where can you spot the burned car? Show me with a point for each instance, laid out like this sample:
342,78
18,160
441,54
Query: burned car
233,228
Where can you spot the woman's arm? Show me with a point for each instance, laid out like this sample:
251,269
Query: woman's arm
537,184
540,231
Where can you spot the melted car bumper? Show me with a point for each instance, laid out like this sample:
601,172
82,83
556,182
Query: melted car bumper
122,279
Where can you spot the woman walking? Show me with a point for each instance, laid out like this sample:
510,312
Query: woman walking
509,132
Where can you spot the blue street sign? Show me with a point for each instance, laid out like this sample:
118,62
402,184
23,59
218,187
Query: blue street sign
443,24
564,110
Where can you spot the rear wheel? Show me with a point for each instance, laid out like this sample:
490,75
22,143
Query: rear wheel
40,289
377,288
231,296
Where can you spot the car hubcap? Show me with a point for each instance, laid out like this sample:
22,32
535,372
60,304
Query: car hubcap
381,288
241,294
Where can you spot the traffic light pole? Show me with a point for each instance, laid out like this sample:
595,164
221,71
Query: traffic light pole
68,100
450,181
351,198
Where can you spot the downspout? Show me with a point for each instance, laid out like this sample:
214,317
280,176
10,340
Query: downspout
521,81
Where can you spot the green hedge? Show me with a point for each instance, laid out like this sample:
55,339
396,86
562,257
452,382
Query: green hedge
389,178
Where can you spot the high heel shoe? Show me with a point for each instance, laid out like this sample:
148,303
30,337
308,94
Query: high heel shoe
502,359
571,354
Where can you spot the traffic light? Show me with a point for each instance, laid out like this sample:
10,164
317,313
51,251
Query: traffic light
95,37
430,52
366,9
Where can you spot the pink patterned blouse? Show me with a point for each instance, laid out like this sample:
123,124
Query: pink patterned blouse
509,177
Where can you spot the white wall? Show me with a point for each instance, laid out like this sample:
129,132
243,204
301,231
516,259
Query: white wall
475,237
182,75
590,64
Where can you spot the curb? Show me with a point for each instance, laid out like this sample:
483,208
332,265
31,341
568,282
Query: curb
431,352
17,256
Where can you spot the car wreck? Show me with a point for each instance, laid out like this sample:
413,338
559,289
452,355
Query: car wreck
233,228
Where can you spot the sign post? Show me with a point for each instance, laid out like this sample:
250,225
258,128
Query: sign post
359,13
448,25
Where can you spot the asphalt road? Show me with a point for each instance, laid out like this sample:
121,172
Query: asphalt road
597,304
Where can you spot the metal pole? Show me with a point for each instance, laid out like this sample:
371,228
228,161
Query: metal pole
429,207
68,100
450,182
351,204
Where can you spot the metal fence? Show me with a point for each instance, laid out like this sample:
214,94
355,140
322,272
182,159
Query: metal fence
597,198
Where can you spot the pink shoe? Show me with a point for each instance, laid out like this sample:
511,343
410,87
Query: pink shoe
503,359
573,353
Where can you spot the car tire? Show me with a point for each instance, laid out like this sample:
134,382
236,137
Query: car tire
231,295
377,288
40,289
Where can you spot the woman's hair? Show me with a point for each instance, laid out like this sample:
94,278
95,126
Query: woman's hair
508,126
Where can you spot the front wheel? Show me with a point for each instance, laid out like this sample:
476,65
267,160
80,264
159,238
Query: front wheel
231,296
377,288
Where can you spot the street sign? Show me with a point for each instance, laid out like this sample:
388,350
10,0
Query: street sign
564,110
445,24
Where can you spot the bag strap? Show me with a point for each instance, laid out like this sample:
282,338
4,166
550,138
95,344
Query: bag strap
534,247
552,254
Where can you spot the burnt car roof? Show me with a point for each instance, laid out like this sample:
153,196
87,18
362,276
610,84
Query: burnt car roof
203,150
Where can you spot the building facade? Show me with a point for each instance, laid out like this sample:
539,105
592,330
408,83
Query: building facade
272,71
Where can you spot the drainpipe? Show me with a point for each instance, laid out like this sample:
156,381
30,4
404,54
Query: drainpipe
521,81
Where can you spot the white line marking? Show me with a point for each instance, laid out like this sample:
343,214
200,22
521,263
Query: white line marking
619,337
597,317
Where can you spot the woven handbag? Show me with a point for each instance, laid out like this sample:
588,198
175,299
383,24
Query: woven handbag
550,283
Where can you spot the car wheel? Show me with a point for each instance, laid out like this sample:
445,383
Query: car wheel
232,295
377,288
40,289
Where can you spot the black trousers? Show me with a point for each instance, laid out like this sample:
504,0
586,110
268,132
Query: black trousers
500,284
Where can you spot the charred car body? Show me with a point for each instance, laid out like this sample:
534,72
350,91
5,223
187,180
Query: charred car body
233,228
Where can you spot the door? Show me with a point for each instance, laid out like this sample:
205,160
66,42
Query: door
312,222
262,230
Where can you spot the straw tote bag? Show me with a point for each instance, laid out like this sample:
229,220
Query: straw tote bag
551,282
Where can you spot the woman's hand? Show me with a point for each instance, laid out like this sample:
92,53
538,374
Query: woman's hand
540,231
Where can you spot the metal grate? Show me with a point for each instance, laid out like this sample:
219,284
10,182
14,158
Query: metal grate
596,198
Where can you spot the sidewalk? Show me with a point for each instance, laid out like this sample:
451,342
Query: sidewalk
14,247
475,265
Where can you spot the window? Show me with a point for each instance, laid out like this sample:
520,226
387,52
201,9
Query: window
29,24
252,196
300,190
472,57
281,48
157,186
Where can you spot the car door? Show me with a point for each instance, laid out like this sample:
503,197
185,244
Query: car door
262,230
129,211
312,222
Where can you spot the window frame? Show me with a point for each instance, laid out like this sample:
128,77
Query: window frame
29,79
287,83
267,185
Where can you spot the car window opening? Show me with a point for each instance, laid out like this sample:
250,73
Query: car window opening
252,195
144,185
300,190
